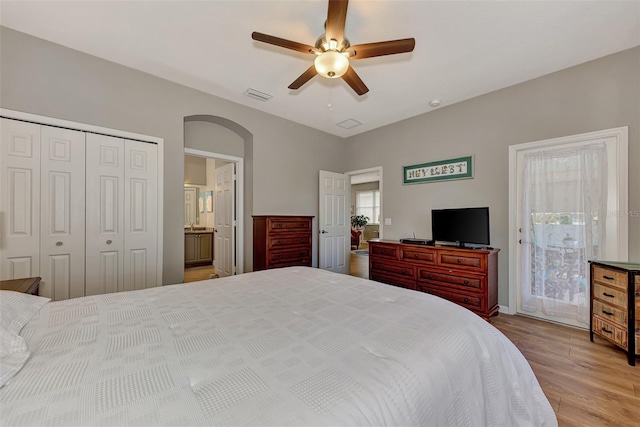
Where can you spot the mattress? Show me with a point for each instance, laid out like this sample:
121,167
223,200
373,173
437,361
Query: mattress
292,346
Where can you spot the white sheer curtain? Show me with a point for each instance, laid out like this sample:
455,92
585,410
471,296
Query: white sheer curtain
564,224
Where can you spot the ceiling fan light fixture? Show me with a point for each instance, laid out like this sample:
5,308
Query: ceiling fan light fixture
331,64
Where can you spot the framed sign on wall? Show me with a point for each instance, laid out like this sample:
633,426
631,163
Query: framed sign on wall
441,170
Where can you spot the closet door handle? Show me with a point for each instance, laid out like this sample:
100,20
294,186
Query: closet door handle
109,242
58,243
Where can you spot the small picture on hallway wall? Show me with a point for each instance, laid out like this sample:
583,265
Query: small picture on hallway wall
459,168
201,202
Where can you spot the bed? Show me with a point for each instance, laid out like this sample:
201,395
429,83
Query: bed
291,346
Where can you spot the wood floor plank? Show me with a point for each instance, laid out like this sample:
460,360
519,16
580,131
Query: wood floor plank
594,383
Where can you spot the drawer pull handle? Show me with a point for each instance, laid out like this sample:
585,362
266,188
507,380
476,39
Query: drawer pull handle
608,313
416,255
404,271
280,241
431,276
605,330
608,277
466,282
458,260
382,251
466,300
608,295
301,240
280,256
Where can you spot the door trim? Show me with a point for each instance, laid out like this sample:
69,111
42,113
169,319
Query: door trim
239,161
379,170
622,136
67,124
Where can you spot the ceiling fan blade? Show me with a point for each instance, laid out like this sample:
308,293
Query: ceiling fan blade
336,18
305,77
353,80
390,47
287,44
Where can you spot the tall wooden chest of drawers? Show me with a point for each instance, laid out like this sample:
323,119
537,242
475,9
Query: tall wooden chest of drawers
615,304
281,241
468,277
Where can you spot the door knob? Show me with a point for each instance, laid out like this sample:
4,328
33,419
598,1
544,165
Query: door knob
109,242
324,231
58,243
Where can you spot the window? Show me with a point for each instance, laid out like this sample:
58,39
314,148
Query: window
368,204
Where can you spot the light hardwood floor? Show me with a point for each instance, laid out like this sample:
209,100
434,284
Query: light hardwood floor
587,384
193,274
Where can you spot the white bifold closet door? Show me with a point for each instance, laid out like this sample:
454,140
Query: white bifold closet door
62,213
19,200
121,245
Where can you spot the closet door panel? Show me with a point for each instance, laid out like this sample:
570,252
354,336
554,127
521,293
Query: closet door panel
141,215
19,200
105,214
62,234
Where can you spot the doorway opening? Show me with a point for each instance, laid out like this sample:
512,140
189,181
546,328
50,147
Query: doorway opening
366,200
212,208
568,206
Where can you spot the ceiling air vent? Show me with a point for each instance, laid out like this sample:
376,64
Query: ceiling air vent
349,124
256,94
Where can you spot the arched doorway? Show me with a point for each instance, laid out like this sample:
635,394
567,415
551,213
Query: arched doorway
219,138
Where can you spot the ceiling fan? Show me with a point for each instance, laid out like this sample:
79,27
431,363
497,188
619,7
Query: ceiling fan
333,51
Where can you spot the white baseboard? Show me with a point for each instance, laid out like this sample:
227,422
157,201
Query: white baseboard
504,309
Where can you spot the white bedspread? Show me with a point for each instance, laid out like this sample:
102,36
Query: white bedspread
295,346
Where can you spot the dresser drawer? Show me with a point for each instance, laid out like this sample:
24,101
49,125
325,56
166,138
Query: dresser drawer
610,295
472,302
610,331
380,276
289,255
610,312
423,256
292,263
406,271
301,239
610,277
466,261
472,282
288,225
387,251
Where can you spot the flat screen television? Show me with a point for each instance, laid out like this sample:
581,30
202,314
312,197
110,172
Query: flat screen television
462,226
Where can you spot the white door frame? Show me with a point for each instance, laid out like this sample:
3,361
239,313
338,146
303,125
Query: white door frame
51,121
622,136
379,170
239,200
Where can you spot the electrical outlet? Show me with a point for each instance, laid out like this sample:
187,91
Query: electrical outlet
387,221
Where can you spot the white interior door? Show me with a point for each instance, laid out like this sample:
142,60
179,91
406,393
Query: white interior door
333,222
225,220
105,214
19,200
140,215
62,219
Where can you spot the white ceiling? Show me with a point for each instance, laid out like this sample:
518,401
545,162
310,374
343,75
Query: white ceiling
463,48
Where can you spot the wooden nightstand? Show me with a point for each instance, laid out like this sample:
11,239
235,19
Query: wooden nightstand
29,285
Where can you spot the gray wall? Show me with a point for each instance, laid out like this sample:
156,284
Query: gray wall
601,94
43,78
212,137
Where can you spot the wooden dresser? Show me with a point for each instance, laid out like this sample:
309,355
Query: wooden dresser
281,241
468,277
615,304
